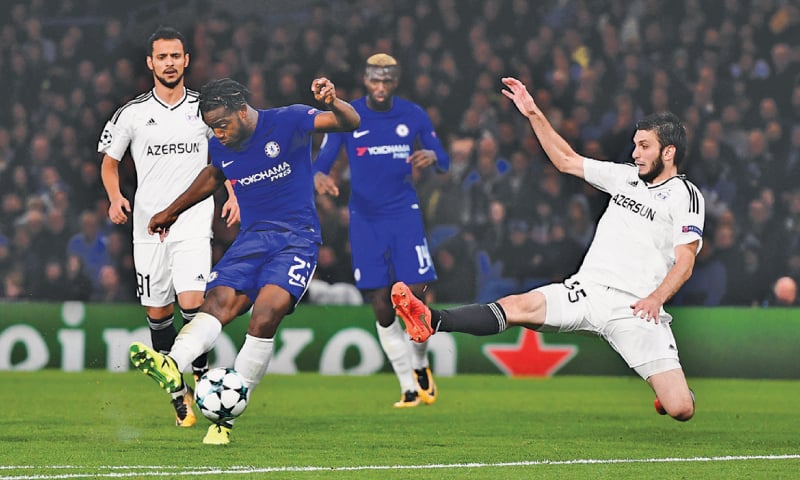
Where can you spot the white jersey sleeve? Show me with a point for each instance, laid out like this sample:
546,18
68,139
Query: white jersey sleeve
169,147
634,245
116,137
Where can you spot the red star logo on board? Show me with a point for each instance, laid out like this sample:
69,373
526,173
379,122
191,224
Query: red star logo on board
529,357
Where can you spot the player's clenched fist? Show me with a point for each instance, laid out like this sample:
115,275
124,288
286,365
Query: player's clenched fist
324,90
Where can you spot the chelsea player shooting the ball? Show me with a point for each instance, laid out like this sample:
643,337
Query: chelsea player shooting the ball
266,155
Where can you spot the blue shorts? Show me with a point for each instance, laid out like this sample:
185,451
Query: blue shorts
266,257
388,250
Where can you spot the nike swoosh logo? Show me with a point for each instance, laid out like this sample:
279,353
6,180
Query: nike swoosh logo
360,134
225,164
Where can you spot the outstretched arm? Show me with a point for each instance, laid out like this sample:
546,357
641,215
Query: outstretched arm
564,158
206,183
341,116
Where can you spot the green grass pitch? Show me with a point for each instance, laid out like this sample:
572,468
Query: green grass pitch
97,424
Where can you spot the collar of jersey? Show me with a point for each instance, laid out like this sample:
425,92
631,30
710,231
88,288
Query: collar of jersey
165,104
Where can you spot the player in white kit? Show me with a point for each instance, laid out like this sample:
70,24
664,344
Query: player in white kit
168,142
643,251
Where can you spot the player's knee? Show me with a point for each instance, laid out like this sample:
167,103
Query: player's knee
524,310
683,411
264,326
684,414
384,314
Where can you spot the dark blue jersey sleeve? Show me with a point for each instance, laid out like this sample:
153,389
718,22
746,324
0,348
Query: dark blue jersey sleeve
430,141
331,144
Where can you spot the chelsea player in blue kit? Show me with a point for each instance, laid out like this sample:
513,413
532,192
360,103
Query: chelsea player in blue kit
266,155
387,236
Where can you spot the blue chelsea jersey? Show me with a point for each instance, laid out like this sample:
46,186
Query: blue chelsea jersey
380,177
271,173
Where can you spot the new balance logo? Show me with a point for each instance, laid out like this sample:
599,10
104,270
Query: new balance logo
150,122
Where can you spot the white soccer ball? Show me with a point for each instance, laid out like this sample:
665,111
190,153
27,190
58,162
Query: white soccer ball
221,394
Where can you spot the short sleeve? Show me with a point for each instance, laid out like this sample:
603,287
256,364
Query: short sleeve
689,217
604,175
305,116
115,139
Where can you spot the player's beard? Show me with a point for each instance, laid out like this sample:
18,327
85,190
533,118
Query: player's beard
655,170
235,142
168,84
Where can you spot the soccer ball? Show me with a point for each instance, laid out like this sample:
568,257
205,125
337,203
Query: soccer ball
221,394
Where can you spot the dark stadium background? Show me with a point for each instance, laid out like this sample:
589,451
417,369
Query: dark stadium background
502,220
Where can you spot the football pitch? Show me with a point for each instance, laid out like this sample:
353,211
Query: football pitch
97,424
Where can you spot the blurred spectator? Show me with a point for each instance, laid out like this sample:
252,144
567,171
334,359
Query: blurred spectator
783,293
495,236
483,181
90,246
54,282
521,258
58,233
517,190
111,289
78,285
789,167
761,226
456,272
120,255
563,255
442,196
708,283
580,225
734,134
14,285
618,125
6,260
731,71
760,166
715,177
751,281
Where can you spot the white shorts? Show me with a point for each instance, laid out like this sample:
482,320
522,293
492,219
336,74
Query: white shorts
577,305
166,269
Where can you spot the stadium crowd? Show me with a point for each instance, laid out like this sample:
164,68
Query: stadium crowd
502,219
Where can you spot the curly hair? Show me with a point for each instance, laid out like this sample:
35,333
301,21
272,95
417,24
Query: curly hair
225,92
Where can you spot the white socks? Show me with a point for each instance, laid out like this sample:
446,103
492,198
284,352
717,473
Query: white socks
395,344
195,339
253,360
419,357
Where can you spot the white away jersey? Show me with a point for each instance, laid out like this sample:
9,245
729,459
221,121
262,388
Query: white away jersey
169,146
634,245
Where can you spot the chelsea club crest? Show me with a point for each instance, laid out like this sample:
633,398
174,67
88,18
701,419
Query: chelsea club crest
272,149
